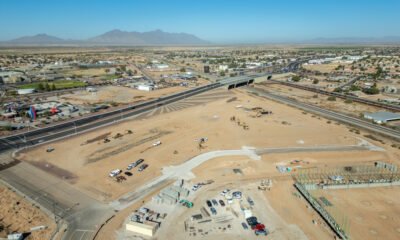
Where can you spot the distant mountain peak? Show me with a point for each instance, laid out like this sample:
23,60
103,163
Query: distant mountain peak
38,39
155,37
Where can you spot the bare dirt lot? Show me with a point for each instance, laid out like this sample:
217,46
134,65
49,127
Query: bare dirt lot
323,68
372,213
117,95
19,215
88,164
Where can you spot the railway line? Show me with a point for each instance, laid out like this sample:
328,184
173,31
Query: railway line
339,95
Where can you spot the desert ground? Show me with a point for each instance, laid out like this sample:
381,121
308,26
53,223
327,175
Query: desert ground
116,94
17,214
85,161
371,213
323,68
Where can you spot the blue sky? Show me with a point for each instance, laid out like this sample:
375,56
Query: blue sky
219,21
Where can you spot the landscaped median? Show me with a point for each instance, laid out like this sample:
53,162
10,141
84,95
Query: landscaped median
51,86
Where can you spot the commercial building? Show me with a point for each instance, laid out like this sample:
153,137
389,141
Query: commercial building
146,228
382,117
11,77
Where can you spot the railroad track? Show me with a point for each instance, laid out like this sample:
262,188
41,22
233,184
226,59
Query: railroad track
339,95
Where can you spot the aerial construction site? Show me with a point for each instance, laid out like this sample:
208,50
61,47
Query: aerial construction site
158,135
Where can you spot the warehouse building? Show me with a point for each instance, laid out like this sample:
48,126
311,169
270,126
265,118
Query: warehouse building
382,117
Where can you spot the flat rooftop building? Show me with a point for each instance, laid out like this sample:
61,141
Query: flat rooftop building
382,117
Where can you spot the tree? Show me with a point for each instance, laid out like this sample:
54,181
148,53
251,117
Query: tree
182,70
41,87
354,88
331,98
316,81
296,78
53,87
222,73
47,87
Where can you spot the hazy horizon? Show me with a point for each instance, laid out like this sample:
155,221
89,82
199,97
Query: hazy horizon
252,21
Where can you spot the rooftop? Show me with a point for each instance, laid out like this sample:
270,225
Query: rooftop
382,116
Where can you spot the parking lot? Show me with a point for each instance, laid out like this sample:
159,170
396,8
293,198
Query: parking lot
219,213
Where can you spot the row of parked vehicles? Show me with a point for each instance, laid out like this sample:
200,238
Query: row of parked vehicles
142,167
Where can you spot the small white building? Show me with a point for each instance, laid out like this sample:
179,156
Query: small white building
91,89
222,67
145,88
160,66
25,91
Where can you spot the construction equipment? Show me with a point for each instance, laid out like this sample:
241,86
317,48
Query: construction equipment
20,236
201,141
118,135
265,184
186,203
157,143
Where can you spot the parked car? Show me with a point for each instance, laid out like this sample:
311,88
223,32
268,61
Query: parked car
244,225
209,204
195,187
213,211
50,149
115,172
128,174
252,221
262,232
143,167
222,203
129,167
215,203
139,161
223,193
250,201
237,195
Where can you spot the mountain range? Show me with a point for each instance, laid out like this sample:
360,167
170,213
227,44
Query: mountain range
158,38
115,37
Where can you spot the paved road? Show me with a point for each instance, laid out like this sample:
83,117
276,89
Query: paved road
71,127
82,213
184,170
328,113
